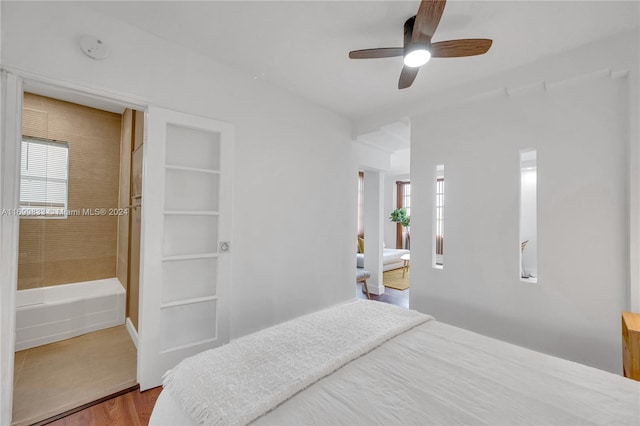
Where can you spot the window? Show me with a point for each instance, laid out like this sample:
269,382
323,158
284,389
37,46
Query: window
439,217
406,198
528,216
403,200
44,171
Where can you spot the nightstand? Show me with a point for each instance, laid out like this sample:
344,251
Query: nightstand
631,345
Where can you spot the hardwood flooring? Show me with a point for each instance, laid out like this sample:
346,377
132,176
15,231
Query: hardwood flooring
61,376
131,409
391,296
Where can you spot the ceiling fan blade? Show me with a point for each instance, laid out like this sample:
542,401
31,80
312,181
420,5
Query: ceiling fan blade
407,76
459,48
427,18
382,52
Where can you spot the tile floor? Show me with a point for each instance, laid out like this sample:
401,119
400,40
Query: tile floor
60,376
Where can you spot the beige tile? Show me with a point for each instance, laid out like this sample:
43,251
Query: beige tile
33,101
60,376
34,123
83,248
18,363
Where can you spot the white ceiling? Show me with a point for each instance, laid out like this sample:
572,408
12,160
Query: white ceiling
302,46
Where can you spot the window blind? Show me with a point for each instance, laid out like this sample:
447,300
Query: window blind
44,173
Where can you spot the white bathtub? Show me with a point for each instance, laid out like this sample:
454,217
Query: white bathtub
48,314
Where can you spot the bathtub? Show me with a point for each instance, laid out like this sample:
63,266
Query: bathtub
49,314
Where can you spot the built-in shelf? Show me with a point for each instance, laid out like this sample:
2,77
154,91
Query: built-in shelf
191,212
192,169
188,301
533,280
191,345
190,257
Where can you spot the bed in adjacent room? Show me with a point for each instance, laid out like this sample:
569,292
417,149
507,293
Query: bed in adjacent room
366,362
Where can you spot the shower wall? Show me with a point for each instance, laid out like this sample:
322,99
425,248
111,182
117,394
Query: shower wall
124,197
80,247
128,265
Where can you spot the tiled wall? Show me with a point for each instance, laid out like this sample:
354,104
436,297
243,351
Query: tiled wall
78,248
128,265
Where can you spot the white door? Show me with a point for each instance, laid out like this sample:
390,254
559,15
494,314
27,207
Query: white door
185,243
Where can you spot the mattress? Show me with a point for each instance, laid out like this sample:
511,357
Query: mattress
435,373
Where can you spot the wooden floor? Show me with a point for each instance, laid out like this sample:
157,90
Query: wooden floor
54,378
131,409
391,296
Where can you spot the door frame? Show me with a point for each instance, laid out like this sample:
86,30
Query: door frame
14,82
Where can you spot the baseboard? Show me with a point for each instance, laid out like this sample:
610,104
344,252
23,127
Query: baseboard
132,332
44,334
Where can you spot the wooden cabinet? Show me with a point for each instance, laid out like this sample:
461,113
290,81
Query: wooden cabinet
631,345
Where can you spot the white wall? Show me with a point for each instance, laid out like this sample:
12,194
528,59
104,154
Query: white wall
371,158
400,162
295,172
580,129
619,52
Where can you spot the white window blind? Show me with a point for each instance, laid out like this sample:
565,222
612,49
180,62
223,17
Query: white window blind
44,174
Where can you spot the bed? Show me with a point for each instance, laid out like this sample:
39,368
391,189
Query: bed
390,259
366,362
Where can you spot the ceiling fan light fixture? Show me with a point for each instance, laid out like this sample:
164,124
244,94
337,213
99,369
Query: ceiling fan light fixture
416,55
417,48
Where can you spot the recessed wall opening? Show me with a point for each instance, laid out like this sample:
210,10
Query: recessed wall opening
438,218
78,255
528,216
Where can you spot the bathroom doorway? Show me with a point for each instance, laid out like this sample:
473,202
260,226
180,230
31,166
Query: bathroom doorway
185,247
78,253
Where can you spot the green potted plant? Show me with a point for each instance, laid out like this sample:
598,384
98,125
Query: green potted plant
400,216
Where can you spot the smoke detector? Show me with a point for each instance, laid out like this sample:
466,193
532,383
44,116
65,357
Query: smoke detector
93,47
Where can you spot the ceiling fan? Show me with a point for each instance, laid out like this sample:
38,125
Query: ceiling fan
418,49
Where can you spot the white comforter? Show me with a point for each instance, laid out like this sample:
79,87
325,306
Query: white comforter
439,374
237,383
